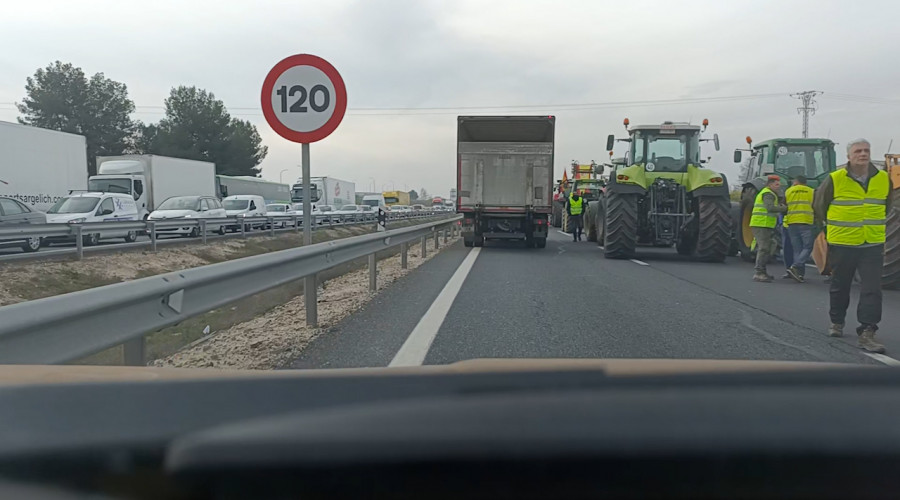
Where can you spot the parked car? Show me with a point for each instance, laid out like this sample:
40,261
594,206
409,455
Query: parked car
90,207
245,205
282,210
15,213
189,208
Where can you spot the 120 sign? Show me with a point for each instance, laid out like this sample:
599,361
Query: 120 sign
298,106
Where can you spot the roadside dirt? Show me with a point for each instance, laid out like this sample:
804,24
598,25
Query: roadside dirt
277,337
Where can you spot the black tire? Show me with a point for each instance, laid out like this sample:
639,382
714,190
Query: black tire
565,222
31,245
686,245
591,215
540,242
479,241
467,242
733,248
529,242
556,216
714,236
621,219
743,233
91,240
195,231
890,275
221,231
131,237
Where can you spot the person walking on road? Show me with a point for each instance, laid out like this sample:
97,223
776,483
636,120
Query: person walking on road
575,209
799,222
763,220
854,201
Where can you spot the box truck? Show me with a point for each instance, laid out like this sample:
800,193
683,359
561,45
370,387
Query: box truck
326,191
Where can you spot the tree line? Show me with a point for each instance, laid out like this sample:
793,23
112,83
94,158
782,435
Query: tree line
196,125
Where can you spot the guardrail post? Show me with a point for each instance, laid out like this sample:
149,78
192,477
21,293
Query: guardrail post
152,235
296,222
446,235
79,242
272,225
135,352
243,227
424,246
404,250
203,230
310,297
373,273
437,243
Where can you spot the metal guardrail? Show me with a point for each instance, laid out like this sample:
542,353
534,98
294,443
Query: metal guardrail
153,227
74,325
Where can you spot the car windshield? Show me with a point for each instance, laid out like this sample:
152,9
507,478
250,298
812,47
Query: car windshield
75,205
325,208
372,203
276,208
391,199
236,204
811,161
181,203
110,185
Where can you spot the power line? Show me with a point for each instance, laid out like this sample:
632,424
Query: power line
809,107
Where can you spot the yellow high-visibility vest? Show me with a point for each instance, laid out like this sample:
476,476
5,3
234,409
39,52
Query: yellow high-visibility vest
856,215
799,205
761,217
575,206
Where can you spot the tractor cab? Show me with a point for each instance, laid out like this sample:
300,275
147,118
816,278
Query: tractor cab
787,158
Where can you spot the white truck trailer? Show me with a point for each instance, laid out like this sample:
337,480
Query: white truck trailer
326,191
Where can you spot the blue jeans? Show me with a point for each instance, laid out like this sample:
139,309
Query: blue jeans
802,243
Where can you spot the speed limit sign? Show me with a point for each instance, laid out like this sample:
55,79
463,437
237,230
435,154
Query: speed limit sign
304,98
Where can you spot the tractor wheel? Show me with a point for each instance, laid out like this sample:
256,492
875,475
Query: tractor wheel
540,242
687,245
590,219
714,236
733,248
621,217
600,223
565,222
744,234
890,275
556,217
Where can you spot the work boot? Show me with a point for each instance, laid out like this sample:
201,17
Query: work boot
836,330
787,275
762,278
793,272
867,340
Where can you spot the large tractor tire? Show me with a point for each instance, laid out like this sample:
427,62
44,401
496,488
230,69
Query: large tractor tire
743,231
714,235
733,248
600,223
565,222
621,216
590,220
556,215
890,275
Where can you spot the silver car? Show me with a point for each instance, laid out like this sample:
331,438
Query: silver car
15,213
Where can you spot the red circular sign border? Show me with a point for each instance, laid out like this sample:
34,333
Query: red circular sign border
340,99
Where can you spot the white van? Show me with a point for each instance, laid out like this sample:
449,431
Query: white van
245,205
93,207
374,201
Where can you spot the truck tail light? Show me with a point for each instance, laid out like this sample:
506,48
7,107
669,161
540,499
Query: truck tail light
715,180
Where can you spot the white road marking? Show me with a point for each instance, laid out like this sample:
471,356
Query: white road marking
416,347
882,358
560,231
812,266
639,262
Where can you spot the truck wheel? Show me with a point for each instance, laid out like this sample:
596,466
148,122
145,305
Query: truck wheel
479,241
890,276
590,220
620,235
540,242
744,234
468,242
714,235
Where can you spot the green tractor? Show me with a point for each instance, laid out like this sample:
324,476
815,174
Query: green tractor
659,195
589,189
786,158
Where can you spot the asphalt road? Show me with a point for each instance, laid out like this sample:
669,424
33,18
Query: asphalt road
568,301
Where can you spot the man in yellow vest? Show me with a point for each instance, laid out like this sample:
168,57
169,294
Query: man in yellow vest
799,222
763,220
575,208
854,201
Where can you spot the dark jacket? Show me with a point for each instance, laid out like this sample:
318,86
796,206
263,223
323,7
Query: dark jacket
825,194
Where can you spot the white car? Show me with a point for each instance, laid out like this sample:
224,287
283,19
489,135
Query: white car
189,208
349,213
401,210
89,207
245,205
282,210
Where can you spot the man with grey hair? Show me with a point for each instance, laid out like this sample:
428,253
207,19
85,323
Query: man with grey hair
854,202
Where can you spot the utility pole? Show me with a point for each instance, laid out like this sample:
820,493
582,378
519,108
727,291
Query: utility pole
808,99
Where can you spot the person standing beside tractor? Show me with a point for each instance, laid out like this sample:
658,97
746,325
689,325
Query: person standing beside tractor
854,202
799,222
575,209
763,221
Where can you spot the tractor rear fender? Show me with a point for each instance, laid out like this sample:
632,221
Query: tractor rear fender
625,188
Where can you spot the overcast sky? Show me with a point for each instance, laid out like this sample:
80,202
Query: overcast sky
480,54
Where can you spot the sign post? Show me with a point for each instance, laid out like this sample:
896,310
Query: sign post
304,100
